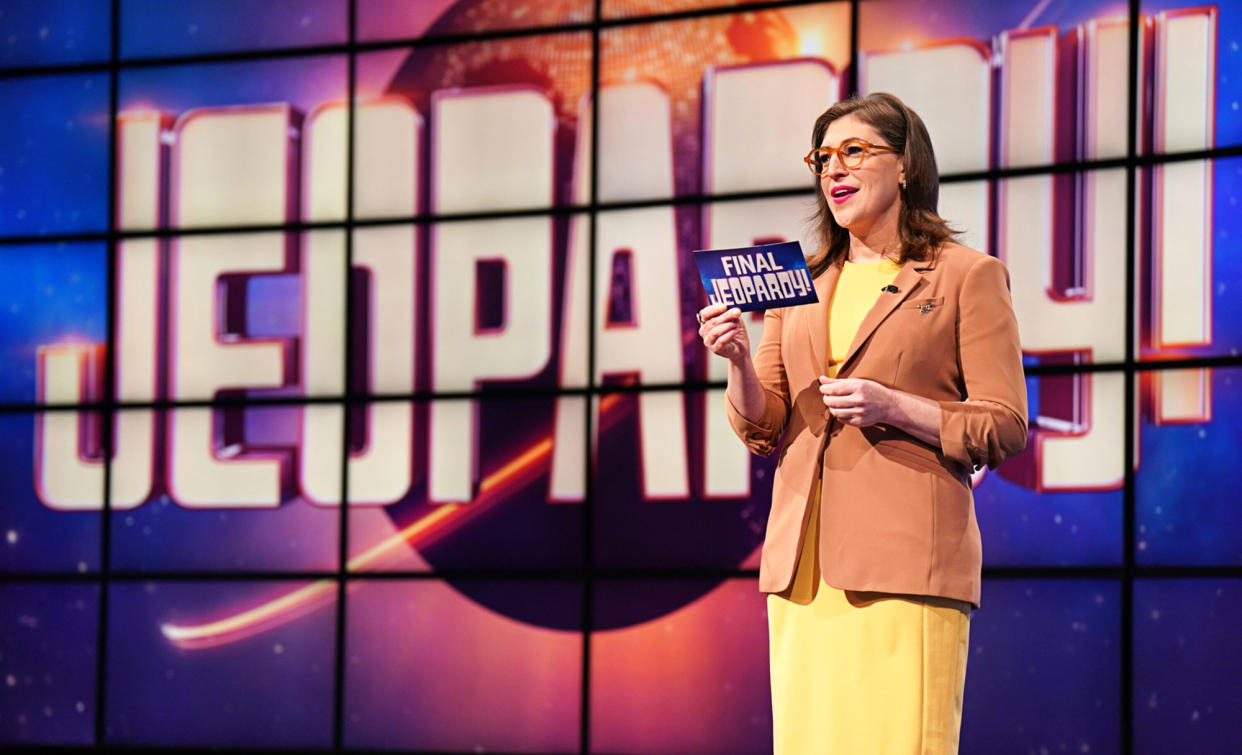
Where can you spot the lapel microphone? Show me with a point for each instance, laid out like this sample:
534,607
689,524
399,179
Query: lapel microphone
889,289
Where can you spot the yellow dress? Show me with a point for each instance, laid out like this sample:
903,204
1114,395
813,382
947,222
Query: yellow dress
855,672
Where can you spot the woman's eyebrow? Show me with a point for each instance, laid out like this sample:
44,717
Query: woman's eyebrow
846,139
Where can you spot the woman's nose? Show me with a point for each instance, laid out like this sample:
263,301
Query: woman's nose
836,168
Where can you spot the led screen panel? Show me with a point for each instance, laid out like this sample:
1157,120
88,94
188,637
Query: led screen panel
1188,265
504,308
47,32
647,287
1193,89
49,510
1060,90
49,663
218,489
54,154
222,144
55,318
248,315
192,664
699,97
433,666
462,484
631,8
1059,502
1186,668
1045,661
400,19
680,666
667,465
1063,236
495,122
1188,439
150,28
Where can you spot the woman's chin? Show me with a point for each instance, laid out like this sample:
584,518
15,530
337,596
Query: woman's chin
845,218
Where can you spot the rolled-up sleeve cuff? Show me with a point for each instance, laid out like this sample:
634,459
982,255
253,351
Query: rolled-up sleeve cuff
759,436
978,433
953,434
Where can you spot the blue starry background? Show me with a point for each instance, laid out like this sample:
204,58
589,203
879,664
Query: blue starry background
271,690
48,652
43,32
1045,656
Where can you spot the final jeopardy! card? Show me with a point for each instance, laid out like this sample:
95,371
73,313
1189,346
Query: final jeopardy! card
756,277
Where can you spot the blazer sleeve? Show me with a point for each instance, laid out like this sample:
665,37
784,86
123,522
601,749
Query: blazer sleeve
990,425
761,434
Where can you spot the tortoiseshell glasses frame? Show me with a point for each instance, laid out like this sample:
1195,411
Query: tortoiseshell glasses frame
850,152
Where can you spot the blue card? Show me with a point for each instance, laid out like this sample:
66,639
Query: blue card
756,277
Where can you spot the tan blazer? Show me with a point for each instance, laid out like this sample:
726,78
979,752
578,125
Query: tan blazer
897,515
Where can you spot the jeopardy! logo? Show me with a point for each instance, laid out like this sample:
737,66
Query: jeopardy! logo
1030,97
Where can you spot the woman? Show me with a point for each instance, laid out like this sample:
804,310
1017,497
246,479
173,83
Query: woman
901,381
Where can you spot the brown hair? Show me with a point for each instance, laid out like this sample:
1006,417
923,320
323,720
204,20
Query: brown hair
920,230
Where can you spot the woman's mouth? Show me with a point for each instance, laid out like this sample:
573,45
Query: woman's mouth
841,193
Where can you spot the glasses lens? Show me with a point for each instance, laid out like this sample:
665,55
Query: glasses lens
819,160
852,154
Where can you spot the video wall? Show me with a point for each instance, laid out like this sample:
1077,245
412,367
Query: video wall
353,396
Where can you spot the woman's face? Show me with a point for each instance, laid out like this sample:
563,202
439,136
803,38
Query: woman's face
868,196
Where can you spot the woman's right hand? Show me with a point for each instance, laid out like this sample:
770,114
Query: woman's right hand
723,332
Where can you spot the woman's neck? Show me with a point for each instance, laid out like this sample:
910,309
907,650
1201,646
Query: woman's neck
879,241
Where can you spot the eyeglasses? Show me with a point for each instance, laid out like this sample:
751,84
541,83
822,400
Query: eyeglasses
851,153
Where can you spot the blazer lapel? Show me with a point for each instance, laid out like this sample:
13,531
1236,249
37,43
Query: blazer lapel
817,328
906,281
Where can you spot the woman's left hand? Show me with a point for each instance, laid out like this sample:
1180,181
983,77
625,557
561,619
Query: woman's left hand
855,401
